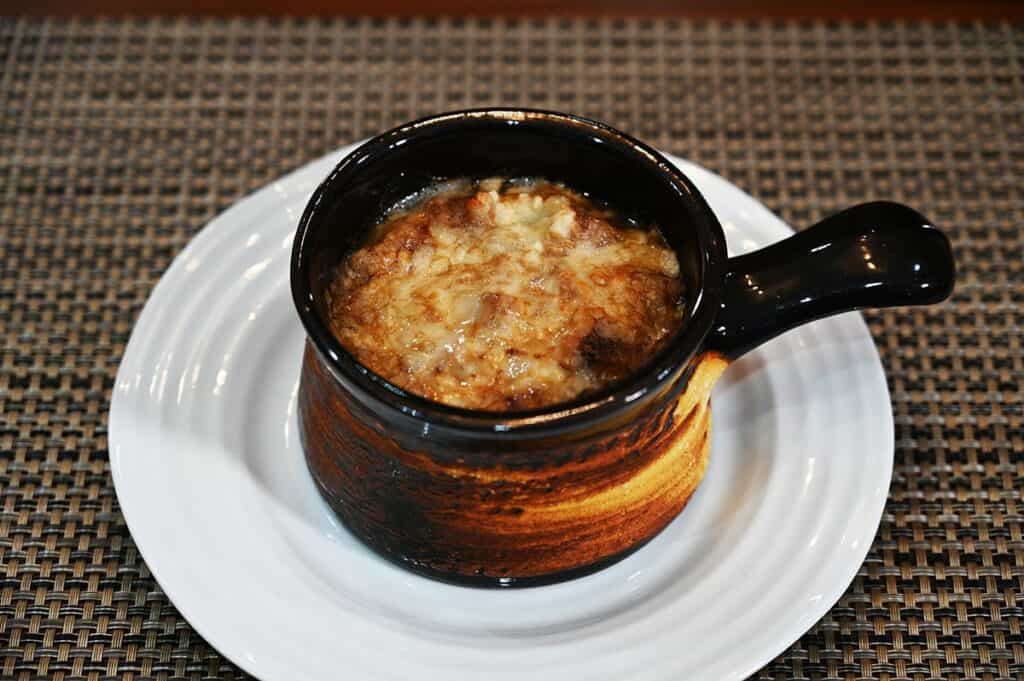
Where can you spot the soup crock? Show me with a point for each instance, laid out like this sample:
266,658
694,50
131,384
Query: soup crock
533,497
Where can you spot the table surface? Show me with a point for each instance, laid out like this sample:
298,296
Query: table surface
733,9
120,139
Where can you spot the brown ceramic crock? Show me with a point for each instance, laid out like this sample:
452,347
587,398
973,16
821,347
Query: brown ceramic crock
532,497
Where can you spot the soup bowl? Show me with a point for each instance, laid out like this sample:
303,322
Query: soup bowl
522,498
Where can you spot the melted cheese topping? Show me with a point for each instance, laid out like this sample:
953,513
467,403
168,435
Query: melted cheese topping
499,297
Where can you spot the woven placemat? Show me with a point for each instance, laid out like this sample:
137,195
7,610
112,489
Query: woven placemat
119,140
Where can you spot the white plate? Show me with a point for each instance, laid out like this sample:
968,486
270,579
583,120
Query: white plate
212,483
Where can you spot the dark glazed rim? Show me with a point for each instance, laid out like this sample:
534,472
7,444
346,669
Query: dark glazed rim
615,400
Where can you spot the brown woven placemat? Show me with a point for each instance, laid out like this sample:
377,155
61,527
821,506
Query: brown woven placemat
119,140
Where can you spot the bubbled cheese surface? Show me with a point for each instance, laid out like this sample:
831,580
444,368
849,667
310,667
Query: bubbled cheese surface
505,296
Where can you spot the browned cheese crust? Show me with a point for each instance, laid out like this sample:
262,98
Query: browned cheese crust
502,296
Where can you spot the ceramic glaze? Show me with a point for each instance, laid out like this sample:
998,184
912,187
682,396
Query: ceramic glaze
484,517
532,497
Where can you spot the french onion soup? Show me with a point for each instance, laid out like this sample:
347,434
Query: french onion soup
505,294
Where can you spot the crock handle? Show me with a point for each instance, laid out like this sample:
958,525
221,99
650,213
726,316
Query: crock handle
871,255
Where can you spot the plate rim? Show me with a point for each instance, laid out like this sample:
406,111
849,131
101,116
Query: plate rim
264,195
